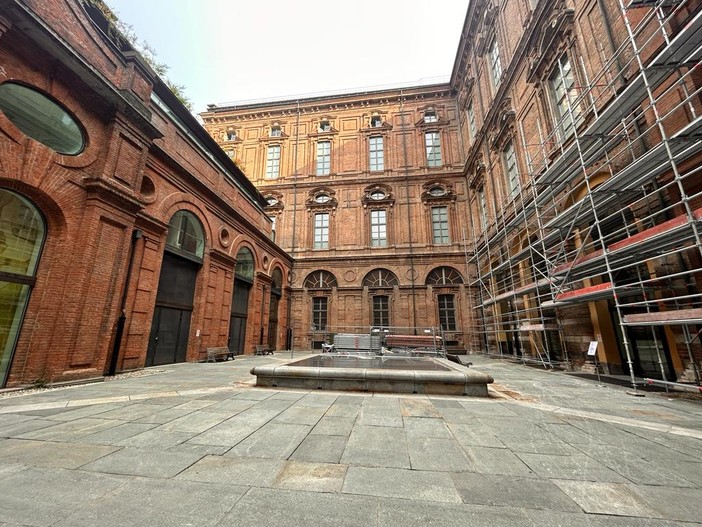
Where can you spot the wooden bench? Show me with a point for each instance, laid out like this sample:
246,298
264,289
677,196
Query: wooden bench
263,349
219,352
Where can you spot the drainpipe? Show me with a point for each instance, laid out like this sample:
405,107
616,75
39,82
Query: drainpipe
409,215
136,235
289,331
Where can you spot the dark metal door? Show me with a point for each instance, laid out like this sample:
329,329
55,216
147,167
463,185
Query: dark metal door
170,327
169,336
237,322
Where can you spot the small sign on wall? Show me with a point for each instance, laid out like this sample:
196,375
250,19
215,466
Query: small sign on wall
592,349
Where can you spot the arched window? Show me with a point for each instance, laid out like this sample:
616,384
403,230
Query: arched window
245,265
41,118
320,280
380,278
277,277
22,234
443,276
185,234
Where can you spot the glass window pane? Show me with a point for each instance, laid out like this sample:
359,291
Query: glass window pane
273,162
244,264
433,147
21,234
42,119
185,234
439,221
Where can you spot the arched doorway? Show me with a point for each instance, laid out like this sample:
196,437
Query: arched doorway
243,280
380,284
276,294
22,235
182,259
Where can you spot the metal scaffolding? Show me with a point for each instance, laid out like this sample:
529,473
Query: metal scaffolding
611,208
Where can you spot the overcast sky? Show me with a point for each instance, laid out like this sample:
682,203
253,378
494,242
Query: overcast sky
234,50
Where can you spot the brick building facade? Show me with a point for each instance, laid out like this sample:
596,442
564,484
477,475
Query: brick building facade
367,194
114,201
570,144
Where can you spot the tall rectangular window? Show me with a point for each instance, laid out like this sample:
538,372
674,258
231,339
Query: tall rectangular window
439,225
495,64
321,230
323,158
377,157
319,312
433,145
447,312
379,228
381,311
471,124
482,204
564,94
511,170
273,162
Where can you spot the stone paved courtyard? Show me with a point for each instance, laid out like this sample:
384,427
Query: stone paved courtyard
198,444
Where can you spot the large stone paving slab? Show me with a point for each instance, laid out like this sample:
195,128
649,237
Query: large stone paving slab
380,411
50,454
497,461
144,462
433,454
159,503
273,440
285,508
43,496
578,467
410,513
314,477
426,427
320,449
397,483
376,446
237,471
607,498
510,491
334,426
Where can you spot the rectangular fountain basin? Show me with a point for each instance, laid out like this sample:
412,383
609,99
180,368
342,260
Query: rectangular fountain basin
374,374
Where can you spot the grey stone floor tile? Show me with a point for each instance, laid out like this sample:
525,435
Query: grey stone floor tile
545,518
43,496
22,427
273,440
70,430
343,410
256,394
164,416
313,477
400,483
380,412
672,503
118,433
475,434
426,427
232,406
376,446
320,449
334,426
497,461
578,467
417,407
195,422
156,438
491,408
301,415
322,400
235,470
234,430
511,491
144,462
286,508
86,411
443,455
201,450
159,503
407,513
51,454
534,445
131,412
607,498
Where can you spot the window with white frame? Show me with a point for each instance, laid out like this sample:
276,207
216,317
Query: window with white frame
381,310
430,116
319,312
471,123
511,170
273,162
482,205
276,131
377,157
564,94
447,312
321,230
433,146
439,225
323,158
495,64
379,228
273,221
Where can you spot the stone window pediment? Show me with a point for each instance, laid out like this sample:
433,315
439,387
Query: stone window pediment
378,196
322,199
548,45
438,193
274,202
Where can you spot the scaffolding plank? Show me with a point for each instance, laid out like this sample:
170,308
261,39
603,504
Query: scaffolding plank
665,318
684,47
586,294
538,327
666,229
